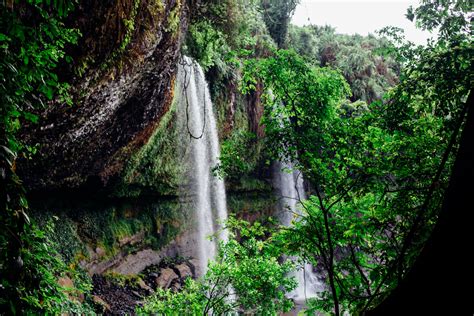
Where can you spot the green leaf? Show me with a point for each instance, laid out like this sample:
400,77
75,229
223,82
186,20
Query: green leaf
31,117
4,37
48,92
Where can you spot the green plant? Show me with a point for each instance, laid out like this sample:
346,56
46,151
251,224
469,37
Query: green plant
221,34
246,277
116,54
377,172
173,19
207,44
30,51
38,285
122,279
277,15
366,63
238,154
33,38
191,300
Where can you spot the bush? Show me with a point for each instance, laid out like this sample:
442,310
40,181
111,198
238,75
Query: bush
39,269
247,277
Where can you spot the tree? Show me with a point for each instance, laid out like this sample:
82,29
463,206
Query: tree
277,15
300,106
377,174
369,71
246,277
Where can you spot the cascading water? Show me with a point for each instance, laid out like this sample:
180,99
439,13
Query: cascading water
289,186
196,117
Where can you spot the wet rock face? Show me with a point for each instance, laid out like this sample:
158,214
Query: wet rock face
184,270
119,101
167,275
170,275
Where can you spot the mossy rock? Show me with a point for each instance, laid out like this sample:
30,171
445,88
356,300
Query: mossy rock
155,169
100,230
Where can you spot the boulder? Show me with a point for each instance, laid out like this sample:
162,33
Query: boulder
100,302
66,282
100,252
70,290
194,265
132,240
167,275
184,270
176,286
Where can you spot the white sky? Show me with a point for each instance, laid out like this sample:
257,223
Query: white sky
359,16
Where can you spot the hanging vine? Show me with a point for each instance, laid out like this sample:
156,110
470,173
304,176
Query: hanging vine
186,82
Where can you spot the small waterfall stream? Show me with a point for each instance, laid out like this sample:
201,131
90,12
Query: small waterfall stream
289,186
195,113
197,122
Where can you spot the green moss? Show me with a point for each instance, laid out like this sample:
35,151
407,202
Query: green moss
129,24
249,184
252,205
125,228
241,119
156,167
82,66
123,280
118,226
170,219
140,24
174,19
156,8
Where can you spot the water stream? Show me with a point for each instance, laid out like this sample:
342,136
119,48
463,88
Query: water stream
197,122
289,186
208,192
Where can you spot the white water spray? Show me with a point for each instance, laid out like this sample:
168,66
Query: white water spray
289,185
208,192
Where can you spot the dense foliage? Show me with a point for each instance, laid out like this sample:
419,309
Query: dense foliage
377,173
247,277
238,155
32,44
372,123
277,15
38,280
221,30
363,60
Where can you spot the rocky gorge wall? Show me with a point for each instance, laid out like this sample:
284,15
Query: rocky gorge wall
107,166
122,77
127,235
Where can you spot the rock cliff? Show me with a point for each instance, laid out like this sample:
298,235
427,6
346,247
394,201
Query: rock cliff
122,78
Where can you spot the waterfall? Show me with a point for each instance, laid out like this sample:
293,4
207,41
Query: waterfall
289,188
197,122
